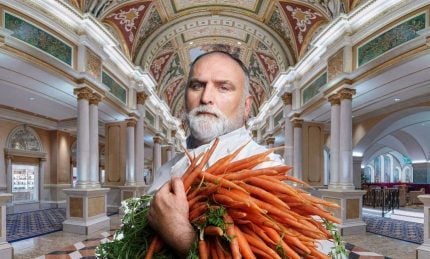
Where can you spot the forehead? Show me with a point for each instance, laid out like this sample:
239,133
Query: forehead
217,62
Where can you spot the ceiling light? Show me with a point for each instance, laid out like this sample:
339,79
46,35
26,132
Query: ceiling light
191,43
31,98
239,43
396,99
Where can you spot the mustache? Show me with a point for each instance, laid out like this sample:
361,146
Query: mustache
204,109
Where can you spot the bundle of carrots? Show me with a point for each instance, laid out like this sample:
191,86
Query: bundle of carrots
251,213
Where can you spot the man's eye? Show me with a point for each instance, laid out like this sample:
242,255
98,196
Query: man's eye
196,86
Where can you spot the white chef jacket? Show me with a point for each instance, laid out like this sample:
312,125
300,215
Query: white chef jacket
228,143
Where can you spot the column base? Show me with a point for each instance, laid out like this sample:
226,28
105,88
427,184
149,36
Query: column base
6,251
86,227
86,211
129,191
423,251
350,209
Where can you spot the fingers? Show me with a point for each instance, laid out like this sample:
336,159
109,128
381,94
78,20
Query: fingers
178,187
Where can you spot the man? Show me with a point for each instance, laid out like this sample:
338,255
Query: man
217,103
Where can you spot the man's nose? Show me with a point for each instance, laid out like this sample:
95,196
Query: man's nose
208,95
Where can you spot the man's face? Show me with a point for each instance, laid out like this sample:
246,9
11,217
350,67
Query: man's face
215,98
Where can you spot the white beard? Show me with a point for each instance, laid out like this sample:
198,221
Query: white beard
205,128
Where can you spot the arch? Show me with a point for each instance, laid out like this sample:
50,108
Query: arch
174,28
371,170
391,124
24,138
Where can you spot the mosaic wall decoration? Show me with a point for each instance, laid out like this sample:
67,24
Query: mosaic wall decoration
314,88
127,20
269,64
277,23
93,64
335,65
171,73
172,90
38,38
390,39
158,65
250,5
150,25
302,19
115,88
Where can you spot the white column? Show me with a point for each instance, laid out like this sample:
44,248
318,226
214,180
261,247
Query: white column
423,251
334,140
297,163
130,160
140,144
345,139
288,133
83,145
94,141
156,155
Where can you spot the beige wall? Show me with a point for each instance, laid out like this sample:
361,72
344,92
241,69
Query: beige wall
60,158
313,158
115,153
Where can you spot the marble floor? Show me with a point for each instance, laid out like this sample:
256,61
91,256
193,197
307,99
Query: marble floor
38,246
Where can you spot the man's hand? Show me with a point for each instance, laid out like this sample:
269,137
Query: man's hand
168,215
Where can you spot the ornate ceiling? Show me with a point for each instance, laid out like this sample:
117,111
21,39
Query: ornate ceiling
163,37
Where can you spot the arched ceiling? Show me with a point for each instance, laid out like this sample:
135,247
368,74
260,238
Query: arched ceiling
163,37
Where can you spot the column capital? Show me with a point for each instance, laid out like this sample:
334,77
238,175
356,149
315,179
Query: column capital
334,99
157,139
96,98
297,122
9,157
270,140
131,122
287,98
141,97
43,159
83,93
346,93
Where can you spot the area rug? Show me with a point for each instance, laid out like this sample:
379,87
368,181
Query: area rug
398,229
35,223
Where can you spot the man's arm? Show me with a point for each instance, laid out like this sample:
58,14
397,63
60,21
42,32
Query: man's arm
168,215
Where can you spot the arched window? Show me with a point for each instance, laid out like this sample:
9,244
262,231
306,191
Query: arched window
24,138
25,157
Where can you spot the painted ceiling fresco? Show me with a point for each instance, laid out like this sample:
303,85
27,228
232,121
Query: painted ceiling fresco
163,37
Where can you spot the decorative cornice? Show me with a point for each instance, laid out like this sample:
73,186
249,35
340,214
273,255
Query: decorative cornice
346,93
95,98
334,99
83,93
141,97
287,98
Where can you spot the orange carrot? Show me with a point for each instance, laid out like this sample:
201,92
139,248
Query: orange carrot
213,231
231,233
155,242
203,250
244,247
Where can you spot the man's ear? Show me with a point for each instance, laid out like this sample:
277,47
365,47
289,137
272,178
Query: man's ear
248,105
